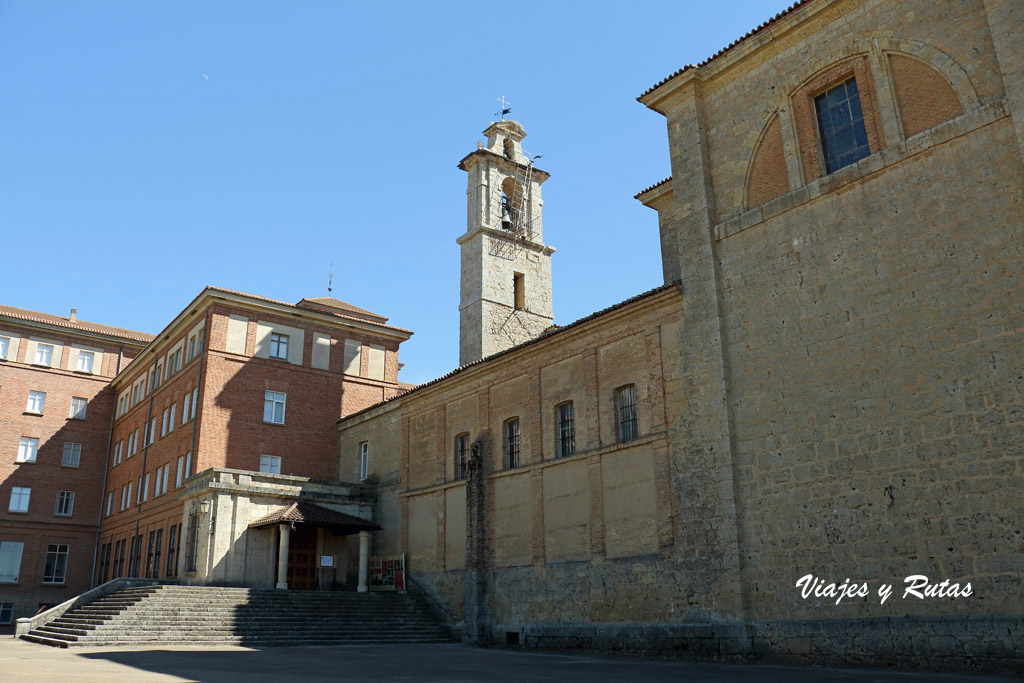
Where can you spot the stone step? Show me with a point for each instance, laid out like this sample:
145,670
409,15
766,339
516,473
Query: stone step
43,640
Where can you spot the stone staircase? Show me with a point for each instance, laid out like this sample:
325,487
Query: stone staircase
202,615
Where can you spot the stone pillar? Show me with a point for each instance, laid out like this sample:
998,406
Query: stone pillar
1004,21
282,557
364,560
477,620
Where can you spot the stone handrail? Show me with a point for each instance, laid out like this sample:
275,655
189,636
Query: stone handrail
26,624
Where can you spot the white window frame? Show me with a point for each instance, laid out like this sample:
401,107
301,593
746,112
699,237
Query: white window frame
60,552
44,354
152,432
110,503
195,402
86,359
277,340
68,497
82,405
364,459
163,425
36,402
180,478
188,464
167,475
21,497
11,553
5,347
159,480
185,406
170,420
271,400
72,455
270,464
28,449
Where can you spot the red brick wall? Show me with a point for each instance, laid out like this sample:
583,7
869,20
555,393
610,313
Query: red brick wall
806,119
46,476
924,97
768,179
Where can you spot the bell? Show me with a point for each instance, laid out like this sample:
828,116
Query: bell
506,217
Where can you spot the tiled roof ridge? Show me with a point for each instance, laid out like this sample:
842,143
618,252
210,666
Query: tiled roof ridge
651,187
549,332
727,48
328,301
304,308
79,325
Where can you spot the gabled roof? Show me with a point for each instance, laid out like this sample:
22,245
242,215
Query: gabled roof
74,325
332,305
304,512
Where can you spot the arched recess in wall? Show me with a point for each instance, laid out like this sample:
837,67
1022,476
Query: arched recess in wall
766,175
924,98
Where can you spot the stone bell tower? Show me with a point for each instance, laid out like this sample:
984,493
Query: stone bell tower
506,267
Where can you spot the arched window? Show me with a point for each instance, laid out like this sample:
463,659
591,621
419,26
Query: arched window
510,149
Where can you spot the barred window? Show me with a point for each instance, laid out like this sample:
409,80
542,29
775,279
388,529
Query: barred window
566,445
625,413
461,456
512,459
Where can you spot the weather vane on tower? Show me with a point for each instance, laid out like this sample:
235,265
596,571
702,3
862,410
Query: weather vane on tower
505,108
330,279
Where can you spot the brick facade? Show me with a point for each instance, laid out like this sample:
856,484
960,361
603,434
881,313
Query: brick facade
42,525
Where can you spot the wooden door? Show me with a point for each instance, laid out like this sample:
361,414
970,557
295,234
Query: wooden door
302,560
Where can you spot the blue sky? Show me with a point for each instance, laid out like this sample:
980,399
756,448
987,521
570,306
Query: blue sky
326,131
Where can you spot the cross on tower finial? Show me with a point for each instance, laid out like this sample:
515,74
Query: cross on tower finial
330,279
505,108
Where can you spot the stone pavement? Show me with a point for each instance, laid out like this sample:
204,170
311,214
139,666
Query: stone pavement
451,663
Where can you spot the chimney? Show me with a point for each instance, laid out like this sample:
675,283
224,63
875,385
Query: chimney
74,315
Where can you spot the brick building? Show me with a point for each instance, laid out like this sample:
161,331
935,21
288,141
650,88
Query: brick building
828,384
106,425
236,382
56,407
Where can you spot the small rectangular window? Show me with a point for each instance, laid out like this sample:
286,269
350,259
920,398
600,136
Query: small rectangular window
55,569
110,503
279,346
158,482
85,361
625,413
188,464
20,496
170,421
36,402
78,405
72,455
179,479
10,560
195,402
273,407
512,459
6,612
364,459
65,503
152,431
44,354
519,290
28,447
184,407
461,456
163,425
167,475
5,347
566,430
270,464
844,139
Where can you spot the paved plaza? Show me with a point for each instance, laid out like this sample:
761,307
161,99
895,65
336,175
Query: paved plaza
450,663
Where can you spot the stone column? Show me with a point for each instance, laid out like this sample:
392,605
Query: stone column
364,560
282,557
